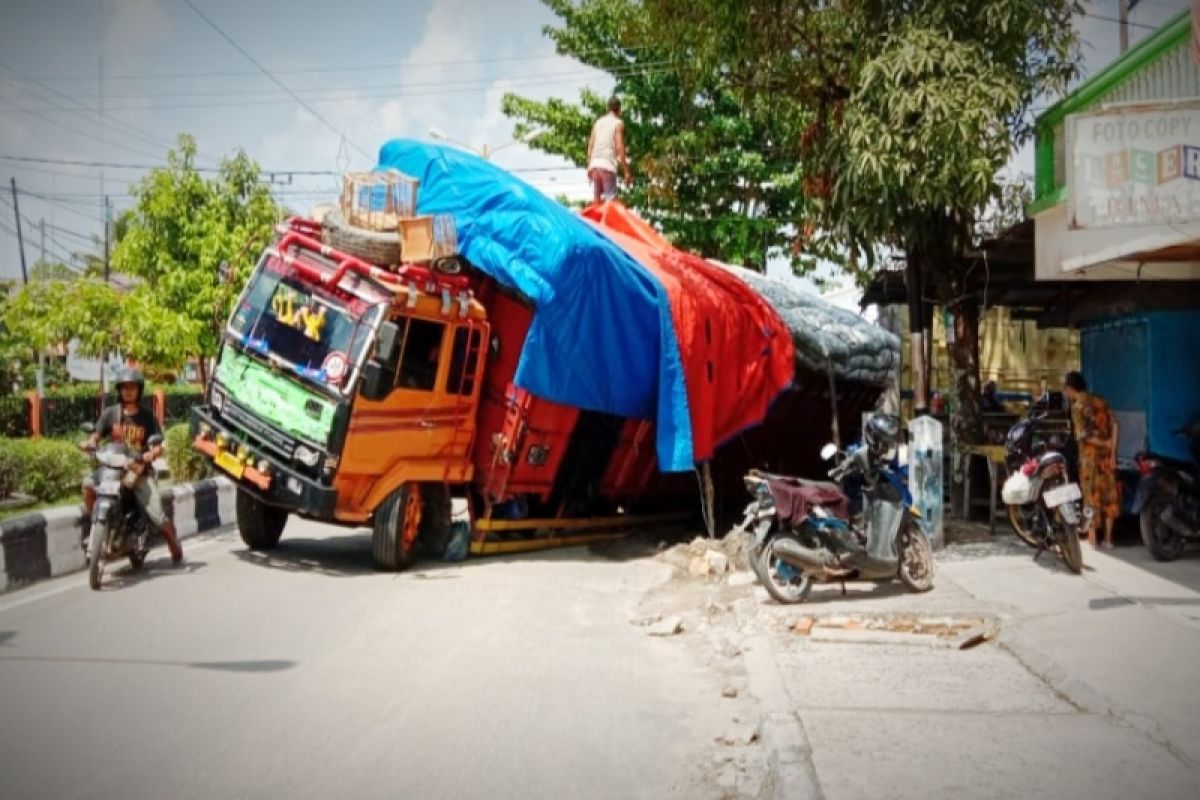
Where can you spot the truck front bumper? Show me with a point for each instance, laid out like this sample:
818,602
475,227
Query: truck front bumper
279,486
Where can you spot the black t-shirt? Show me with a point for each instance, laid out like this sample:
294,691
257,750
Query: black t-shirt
133,429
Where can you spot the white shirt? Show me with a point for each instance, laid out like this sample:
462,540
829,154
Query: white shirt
604,143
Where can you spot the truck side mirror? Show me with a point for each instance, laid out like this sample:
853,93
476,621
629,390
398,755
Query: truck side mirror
376,381
387,346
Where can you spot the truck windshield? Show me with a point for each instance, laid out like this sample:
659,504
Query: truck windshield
312,330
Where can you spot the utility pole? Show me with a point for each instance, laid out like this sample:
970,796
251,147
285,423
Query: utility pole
20,238
41,373
1123,7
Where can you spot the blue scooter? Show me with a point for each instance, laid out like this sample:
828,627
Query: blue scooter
804,534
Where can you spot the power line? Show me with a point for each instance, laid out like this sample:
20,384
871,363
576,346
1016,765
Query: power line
1130,23
278,82
116,165
64,126
632,69
129,130
339,68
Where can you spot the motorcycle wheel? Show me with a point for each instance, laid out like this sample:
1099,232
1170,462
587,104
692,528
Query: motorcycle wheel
1163,543
916,560
783,582
99,543
1020,518
1068,545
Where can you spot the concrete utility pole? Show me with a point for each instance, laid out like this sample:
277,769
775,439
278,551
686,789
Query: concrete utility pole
20,238
1123,7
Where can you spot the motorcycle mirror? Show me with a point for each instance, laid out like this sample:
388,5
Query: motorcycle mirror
88,427
828,451
155,440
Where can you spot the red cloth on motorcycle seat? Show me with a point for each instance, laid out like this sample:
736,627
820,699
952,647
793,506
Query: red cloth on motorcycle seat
795,496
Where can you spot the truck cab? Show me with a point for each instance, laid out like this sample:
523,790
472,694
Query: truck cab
347,393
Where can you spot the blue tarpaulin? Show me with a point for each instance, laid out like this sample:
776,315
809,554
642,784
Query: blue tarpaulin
602,336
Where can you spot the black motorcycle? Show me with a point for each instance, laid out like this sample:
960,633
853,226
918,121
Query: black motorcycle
1168,498
119,529
1041,433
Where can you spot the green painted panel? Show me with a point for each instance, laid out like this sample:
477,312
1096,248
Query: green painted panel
279,400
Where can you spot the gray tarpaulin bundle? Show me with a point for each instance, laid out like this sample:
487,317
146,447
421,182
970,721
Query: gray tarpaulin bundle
826,335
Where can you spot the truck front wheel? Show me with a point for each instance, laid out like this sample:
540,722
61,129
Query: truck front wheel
435,519
259,524
397,526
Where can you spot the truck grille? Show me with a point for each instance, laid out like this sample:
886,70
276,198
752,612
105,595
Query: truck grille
269,437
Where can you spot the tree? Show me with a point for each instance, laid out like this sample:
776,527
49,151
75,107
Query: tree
171,243
915,107
175,238
706,170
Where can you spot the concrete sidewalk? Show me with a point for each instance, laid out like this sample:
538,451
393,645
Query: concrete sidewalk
1117,640
1088,691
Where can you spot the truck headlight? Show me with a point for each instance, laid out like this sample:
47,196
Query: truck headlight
218,399
306,455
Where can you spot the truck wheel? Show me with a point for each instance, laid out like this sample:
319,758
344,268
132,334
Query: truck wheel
259,524
375,247
435,519
397,524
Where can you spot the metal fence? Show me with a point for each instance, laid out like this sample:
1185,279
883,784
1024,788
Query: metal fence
63,415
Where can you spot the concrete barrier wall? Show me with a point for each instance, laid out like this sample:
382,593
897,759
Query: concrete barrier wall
47,543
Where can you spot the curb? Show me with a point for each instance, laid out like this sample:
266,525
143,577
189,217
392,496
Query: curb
45,544
789,752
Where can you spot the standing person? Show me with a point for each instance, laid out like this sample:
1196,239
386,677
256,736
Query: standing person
132,423
1096,433
606,149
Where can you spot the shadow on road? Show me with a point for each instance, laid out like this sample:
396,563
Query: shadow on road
256,666
340,556
832,592
348,554
125,577
1104,603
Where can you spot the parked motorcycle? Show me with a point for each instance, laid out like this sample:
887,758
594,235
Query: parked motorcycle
119,528
1168,498
1050,506
1031,438
803,533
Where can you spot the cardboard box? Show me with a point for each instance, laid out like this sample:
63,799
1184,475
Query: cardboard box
416,239
426,238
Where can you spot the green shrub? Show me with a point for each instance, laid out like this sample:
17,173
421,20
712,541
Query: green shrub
185,461
47,469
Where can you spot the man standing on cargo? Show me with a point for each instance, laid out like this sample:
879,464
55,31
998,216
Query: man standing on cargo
606,148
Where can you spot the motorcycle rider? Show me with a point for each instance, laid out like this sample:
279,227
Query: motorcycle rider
132,423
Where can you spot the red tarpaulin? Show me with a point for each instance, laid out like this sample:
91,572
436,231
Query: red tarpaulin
736,351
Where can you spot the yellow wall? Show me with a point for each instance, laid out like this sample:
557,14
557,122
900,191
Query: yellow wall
1016,354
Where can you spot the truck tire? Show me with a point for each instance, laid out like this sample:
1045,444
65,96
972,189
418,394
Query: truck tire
375,247
396,529
259,524
435,519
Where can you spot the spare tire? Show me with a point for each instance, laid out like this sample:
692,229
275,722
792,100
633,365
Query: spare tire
375,247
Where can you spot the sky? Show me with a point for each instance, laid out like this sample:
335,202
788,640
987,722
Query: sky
372,70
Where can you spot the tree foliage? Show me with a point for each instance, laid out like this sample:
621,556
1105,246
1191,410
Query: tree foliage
706,170
915,106
171,244
178,233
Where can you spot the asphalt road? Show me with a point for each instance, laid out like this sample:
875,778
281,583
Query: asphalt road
307,674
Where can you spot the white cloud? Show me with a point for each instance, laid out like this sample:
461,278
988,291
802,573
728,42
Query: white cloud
131,27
